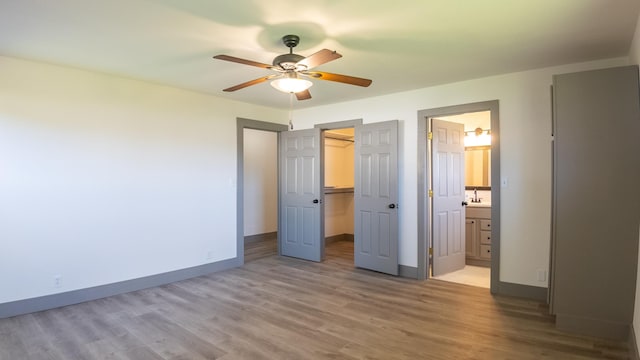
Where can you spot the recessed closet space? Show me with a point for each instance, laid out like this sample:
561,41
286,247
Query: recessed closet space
338,180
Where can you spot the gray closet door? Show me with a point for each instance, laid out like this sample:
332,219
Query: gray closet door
376,197
301,181
448,215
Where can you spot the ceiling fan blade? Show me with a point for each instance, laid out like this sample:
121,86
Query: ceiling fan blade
321,57
303,95
242,61
249,83
352,80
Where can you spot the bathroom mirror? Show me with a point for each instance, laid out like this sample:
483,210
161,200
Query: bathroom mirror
477,167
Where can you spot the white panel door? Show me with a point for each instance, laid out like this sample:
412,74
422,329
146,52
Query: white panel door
301,210
448,215
376,197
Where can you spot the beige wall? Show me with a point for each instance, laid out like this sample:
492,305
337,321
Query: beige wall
105,179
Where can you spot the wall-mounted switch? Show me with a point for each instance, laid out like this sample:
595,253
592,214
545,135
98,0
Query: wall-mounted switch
542,275
504,182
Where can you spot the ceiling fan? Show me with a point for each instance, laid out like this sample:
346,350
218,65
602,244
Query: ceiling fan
293,69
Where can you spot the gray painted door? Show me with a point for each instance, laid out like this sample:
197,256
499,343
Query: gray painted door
376,197
301,181
448,215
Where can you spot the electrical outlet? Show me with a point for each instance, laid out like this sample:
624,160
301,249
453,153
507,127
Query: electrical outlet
542,275
209,255
57,281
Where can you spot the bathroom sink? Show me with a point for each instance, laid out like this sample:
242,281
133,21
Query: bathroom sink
480,204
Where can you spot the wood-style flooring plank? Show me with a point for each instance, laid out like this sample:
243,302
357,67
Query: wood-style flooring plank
282,308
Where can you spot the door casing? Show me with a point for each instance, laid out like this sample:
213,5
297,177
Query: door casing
424,172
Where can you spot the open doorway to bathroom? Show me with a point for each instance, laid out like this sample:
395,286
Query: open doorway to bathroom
477,183
473,238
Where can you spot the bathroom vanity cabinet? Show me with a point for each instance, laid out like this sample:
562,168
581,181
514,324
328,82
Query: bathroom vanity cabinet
478,236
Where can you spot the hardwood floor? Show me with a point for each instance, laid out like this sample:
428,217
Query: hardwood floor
282,308
265,247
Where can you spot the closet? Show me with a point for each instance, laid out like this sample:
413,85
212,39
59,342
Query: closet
596,201
338,180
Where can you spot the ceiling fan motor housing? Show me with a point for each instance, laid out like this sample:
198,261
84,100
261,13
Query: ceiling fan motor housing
287,61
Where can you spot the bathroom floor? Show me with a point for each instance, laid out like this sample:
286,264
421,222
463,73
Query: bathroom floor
471,275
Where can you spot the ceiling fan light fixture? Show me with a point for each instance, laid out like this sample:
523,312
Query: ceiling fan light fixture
291,83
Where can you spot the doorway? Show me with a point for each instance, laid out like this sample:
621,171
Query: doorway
257,200
426,235
338,193
302,195
473,266
301,192
260,194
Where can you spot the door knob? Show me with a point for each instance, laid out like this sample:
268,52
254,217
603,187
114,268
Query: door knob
464,203
392,206
315,201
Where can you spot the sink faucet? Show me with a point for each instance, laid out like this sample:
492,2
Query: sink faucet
475,196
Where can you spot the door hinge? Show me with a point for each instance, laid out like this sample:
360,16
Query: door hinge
430,193
430,135
430,251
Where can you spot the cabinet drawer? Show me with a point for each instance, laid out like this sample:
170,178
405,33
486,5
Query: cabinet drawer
485,224
485,252
485,237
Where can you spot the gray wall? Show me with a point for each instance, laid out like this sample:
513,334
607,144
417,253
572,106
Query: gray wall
596,200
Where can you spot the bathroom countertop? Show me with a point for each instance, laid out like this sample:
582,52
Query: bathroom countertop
480,204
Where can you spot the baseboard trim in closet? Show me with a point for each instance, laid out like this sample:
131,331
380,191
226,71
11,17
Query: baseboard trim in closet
341,237
47,302
260,237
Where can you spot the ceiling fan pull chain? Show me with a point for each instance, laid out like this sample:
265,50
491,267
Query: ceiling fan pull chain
291,111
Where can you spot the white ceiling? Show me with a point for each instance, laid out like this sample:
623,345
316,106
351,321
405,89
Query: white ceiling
401,45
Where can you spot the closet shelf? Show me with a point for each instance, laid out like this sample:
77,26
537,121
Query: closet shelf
338,190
